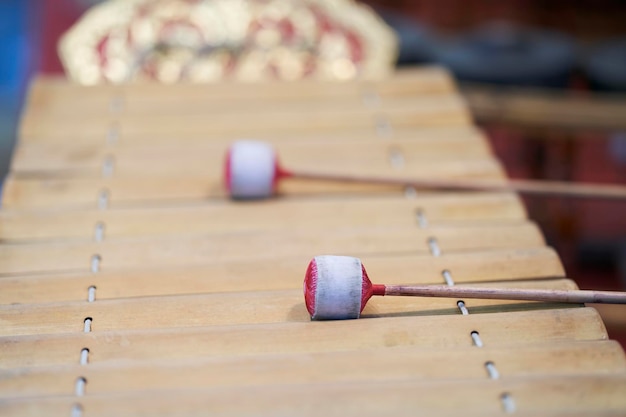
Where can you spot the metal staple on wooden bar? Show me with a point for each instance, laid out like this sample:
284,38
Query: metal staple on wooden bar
103,199
99,232
462,308
396,159
447,276
84,356
95,263
433,245
422,221
508,404
79,388
77,411
113,134
87,325
108,166
478,342
492,371
91,294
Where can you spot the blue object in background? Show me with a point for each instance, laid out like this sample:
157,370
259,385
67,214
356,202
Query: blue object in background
606,66
506,54
18,58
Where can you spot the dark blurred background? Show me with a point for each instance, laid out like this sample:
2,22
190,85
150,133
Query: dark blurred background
545,79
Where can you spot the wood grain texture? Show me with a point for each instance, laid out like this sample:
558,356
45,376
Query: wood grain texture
529,327
206,158
56,95
269,215
216,309
583,394
21,193
299,244
594,358
278,274
433,111
195,304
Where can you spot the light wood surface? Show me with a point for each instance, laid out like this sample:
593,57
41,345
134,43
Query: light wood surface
544,395
302,245
382,364
276,214
205,159
462,267
19,193
54,94
528,327
431,111
218,309
168,299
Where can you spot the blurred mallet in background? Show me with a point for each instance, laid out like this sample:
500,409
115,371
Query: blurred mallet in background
253,171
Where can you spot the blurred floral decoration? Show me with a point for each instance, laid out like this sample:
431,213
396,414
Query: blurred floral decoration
169,41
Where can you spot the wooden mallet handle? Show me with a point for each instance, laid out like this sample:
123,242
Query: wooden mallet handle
556,296
565,189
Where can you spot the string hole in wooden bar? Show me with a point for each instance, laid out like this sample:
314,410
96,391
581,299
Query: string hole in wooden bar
107,166
79,387
462,307
113,134
478,342
383,127
91,294
84,356
422,221
410,193
103,199
433,245
492,371
87,325
396,159
96,260
447,276
508,403
77,410
99,232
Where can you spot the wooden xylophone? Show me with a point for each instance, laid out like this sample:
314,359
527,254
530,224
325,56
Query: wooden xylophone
131,285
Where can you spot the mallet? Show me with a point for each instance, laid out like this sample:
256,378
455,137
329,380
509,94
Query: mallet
252,171
337,288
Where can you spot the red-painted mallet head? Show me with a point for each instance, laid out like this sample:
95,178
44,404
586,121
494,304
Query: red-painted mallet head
337,288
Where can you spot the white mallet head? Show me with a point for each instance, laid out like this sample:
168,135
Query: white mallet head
336,288
251,170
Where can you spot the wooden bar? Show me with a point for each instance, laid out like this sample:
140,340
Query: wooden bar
302,245
165,160
216,309
219,217
383,364
51,93
131,285
461,267
437,111
534,395
529,327
19,193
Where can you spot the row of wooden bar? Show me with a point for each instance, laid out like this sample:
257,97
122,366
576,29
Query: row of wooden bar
131,285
